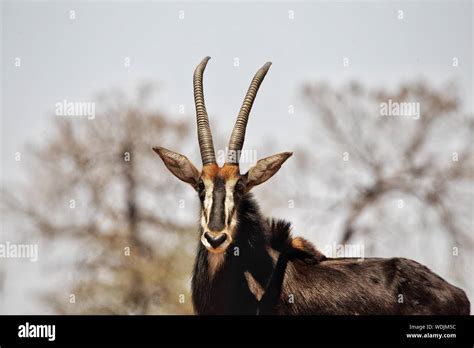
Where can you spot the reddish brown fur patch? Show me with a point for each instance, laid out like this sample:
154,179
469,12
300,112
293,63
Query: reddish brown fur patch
306,250
227,171
298,243
209,171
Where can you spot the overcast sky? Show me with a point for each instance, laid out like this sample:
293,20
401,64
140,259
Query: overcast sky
73,59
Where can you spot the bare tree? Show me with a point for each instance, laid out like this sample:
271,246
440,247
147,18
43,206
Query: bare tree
94,187
394,177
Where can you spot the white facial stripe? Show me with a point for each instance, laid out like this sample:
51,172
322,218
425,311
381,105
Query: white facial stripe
229,198
233,222
209,187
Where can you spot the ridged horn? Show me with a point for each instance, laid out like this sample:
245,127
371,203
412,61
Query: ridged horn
238,133
206,145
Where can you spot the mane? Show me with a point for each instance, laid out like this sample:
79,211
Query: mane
275,233
281,239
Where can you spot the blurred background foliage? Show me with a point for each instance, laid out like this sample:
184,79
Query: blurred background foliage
98,191
94,188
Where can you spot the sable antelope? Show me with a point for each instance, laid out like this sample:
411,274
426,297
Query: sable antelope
247,264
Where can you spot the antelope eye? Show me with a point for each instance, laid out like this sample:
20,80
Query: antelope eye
200,187
240,186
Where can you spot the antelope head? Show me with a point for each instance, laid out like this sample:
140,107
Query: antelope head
221,188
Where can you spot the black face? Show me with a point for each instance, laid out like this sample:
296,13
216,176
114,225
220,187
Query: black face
220,194
220,191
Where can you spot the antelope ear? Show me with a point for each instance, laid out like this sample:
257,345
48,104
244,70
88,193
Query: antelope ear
265,169
179,165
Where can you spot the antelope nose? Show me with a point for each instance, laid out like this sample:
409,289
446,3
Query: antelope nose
215,241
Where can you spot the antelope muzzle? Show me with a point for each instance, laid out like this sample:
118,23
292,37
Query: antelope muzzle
216,242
